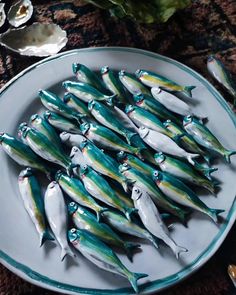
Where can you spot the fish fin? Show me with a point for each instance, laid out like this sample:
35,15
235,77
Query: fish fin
214,214
228,154
188,90
207,158
209,187
138,153
177,250
134,277
130,211
178,137
45,236
129,248
190,158
66,251
99,213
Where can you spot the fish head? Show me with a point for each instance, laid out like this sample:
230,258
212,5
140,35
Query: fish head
73,236
47,115
156,91
112,100
25,174
157,176
75,150
187,120
76,67
23,129
159,157
64,136
139,73
124,167
143,131
122,156
67,97
84,128
129,108
136,193
167,123
58,175
121,74
2,136
104,70
83,144
53,186
211,59
83,170
72,208
92,105
138,98
35,119
67,85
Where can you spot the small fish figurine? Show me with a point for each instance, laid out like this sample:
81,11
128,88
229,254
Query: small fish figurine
33,202
71,139
132,84
121,224
106,139
22,153
222,75
85,220
146,183
77,158
152,79
150,104
56,213
203,136
85,75
99,188
179,192
61,123
121,194
151,219
142,117
101,255
84,91
113,84
76,104
162,143
183,171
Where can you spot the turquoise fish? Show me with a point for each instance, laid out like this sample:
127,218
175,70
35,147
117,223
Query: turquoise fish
76,104
132,84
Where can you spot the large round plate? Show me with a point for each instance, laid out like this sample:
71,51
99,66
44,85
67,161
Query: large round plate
19,249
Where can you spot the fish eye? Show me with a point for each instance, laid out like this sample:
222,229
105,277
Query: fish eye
155,173
73,230
136,190
72,203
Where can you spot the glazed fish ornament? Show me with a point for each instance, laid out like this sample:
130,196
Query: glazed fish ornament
85,220
74,188
121,224
55,104
152,79
85,75
101,255
146,183
106,139
22,153
77,158
134,162
113,84
142,117
221,74
76,104
61,123
183,171
203,136
182,194
33,202
71,139
150,104
56,213
130,82
84,91
99,188
162,143
151,219
45,128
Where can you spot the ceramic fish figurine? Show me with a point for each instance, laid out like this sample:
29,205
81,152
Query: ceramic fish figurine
85,220
74,188
106,139
84,91
221,74
133,85
76,104
44,127
146,183
121,224
33,202
152,105
182,194
152,79
85,75
106,117
21,153
61,123
56,213
77,158
162,143
55,104
113,84
71,139
99,188
101,163
101,255
203,136
142,117
121,194
40,144
151,219
20,12
134,162
183,171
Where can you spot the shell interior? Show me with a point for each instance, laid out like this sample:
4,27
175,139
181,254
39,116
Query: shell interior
20,13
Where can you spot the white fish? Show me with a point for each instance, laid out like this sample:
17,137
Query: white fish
162,143
71,139
77,157
151,219
56,213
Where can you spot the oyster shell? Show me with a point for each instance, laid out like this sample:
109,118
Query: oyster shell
35,40
20,13
2,14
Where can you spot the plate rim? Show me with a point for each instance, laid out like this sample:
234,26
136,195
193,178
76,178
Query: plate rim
40,280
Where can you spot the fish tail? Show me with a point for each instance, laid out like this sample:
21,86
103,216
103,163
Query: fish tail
134,277
207,158
99,213
66,251
154,241
130,211
213,213
45,236
228,154
190,158
182,215
209,186
178,249
188,90
130,248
